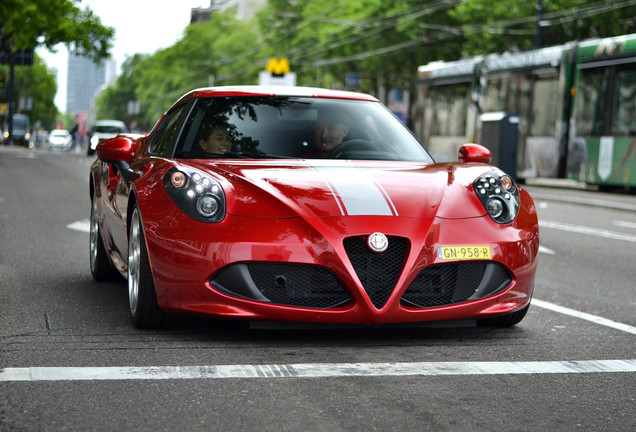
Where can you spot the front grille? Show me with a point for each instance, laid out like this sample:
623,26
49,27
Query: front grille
378,272
451,283
298,285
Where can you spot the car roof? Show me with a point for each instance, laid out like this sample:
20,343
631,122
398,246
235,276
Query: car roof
110,122
255,90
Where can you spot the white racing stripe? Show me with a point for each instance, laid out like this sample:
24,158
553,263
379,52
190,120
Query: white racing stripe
315,370
359,194
587,230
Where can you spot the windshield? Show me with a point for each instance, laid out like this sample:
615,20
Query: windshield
296,127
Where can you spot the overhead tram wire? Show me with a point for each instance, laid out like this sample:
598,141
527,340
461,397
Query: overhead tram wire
413,13
565,16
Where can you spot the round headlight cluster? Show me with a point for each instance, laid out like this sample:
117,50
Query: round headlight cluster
499,195
196,193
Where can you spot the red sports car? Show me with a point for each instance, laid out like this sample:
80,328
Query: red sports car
306,205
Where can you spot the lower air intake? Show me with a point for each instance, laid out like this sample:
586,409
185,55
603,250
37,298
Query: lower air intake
300,285
451,283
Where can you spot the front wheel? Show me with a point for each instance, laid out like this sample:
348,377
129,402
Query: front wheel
508,320
142,298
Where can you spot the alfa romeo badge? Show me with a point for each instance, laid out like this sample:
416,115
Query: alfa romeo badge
378,242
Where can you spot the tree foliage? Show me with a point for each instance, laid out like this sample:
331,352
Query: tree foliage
33,23
46,23
381,41
37,83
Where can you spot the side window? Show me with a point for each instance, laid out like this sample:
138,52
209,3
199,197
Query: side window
167,132
624,102
448,109
545,106
590,102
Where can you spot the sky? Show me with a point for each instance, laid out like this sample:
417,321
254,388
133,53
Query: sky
141,26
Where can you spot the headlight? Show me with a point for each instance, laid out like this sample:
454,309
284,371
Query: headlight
199,196
499,196
94,141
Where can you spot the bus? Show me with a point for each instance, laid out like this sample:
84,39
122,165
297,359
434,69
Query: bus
575,106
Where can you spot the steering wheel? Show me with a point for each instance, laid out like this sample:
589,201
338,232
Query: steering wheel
353,144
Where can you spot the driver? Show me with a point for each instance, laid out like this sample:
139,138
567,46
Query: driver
329,134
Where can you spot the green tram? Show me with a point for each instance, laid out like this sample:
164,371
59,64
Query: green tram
574,106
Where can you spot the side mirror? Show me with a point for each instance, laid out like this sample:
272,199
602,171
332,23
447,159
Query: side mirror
118,149
474,153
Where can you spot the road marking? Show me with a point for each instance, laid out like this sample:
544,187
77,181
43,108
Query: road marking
625,224
83,225
584,316
315,370
545,250
587,230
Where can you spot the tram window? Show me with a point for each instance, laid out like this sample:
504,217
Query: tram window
544,106
590,102
448,110
495,97
624,102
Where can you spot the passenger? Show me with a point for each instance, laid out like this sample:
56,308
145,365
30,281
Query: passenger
215,138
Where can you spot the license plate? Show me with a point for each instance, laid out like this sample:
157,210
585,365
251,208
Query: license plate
463,252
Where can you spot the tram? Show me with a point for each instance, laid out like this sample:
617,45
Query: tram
573,106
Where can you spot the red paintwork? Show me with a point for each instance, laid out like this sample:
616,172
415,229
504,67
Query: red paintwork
474,153
284,211
119,149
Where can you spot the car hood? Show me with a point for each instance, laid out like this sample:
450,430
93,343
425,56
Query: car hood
317,188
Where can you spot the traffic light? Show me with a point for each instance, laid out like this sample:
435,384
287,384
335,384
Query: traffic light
2,81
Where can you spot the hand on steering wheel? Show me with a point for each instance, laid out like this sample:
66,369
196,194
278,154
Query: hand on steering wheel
354,144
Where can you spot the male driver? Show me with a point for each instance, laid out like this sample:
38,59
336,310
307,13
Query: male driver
329,135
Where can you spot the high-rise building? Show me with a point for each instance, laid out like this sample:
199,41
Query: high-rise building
84,80
244,8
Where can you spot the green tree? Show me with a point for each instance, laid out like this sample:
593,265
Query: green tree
221,50
381,40
34,23
490,26
38,84
112,102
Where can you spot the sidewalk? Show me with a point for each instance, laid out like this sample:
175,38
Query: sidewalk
574,192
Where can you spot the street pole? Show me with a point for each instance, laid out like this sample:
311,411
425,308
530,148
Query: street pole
537,39
11,97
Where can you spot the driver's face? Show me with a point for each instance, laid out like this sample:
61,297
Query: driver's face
330,135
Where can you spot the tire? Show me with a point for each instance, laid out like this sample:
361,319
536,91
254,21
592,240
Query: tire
508,320
101,268
145,312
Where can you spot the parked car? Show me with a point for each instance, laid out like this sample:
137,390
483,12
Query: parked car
307,205
104,129
60,139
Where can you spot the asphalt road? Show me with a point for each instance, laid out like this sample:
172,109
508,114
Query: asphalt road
70,360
